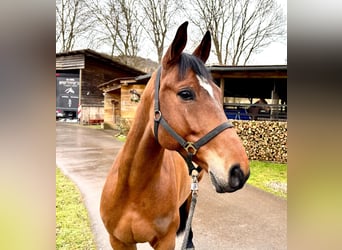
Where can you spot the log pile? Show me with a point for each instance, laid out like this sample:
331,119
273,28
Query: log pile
263,140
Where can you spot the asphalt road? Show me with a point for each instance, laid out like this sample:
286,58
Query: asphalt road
247,219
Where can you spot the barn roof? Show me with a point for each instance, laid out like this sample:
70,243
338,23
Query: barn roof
255,71
116,83
97,56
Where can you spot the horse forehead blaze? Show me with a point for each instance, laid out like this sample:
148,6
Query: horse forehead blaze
205,84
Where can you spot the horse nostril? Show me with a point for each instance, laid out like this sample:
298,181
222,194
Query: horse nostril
236,177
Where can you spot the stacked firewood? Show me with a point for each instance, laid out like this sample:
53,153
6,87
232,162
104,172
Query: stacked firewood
263,140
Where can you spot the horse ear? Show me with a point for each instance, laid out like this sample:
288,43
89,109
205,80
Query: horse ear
203,50
174,51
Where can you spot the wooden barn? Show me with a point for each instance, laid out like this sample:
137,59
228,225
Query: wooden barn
121,98
78,74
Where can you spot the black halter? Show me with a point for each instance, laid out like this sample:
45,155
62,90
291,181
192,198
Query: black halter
190,147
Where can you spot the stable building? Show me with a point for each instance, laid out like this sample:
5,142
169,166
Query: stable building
121,98
244,85
78,74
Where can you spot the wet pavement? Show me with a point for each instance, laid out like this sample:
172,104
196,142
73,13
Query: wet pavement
247,219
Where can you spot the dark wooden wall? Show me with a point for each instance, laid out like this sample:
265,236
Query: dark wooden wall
95,73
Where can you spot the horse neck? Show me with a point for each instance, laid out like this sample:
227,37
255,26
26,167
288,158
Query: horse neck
142,155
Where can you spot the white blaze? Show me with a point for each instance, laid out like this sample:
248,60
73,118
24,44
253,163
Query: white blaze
205,84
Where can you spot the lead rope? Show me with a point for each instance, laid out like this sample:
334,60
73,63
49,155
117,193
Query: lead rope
194,190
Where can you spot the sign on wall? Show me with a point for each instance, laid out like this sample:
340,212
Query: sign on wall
67,91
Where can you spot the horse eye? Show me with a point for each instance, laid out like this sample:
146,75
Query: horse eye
186,95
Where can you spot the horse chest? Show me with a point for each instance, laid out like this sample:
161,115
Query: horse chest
137,209
142,225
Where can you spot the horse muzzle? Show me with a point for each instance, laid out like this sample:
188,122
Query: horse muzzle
235,181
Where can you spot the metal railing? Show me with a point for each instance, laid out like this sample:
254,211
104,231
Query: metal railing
239,111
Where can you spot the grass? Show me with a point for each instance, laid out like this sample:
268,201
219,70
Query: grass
96,126
93,126
120,137
269,176
72,222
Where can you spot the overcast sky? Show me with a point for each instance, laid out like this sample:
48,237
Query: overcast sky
275,54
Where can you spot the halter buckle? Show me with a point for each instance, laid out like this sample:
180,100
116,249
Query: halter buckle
190,148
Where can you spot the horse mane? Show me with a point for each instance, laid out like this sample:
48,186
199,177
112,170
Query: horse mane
190,61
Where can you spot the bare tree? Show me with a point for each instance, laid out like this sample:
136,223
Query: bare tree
239,27
157,18
117,25
71,23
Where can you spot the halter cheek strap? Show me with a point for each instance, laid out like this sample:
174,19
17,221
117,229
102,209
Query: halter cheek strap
190,147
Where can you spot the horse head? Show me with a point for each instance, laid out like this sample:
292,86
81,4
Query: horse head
190,103
260,106
264,105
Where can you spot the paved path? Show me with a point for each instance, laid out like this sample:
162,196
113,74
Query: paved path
247,219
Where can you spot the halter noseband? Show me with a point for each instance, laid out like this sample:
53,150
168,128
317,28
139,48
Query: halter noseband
190,147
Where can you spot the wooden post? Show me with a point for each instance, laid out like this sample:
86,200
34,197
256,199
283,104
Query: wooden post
275,100
222,88
80,94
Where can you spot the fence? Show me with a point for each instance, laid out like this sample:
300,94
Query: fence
239,111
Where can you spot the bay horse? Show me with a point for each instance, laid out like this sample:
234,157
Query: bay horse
259,109
146,195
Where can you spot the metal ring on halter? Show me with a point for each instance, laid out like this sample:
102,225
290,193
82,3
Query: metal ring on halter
190,148
157,115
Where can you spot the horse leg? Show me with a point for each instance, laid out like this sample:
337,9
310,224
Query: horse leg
118,245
